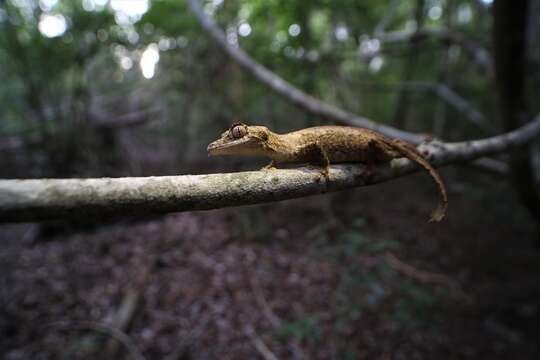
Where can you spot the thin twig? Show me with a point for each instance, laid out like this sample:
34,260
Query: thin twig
259,345
425,276
122,318
269,314
118,335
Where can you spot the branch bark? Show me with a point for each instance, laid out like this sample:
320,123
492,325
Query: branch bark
31,200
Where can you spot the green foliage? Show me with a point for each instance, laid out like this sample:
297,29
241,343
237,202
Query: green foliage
303,329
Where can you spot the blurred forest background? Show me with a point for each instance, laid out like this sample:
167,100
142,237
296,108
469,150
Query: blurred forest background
93,88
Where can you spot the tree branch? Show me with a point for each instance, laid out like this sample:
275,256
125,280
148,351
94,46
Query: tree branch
453,99
31,200
479,54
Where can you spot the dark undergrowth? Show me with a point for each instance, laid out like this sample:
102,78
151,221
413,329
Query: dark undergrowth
353,275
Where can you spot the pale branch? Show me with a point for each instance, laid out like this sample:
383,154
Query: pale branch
453,99
388,15
130,119
461,105
116,334
479,54
290,92
31,200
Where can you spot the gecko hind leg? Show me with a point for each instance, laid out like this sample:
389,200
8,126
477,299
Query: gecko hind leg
371,157
318,157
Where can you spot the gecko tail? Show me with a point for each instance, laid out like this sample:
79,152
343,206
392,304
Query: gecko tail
409,151
439,212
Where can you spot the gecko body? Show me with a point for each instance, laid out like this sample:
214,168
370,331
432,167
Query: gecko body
324,145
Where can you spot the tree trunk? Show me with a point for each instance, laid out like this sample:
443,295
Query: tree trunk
510,35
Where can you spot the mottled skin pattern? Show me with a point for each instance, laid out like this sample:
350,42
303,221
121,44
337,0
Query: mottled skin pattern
323,145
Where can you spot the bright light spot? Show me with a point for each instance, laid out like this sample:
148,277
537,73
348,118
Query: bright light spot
47,5
149,60
232,35
132,36
92,5
130,7
88,5
294,30
487,2
376,64
435,12
341,32
217,3
244,29
164,44
102,35
52,25
289,51
129,11
126,63
182,41
410,25
464,13
368,47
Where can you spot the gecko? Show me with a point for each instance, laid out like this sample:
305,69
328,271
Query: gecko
322,146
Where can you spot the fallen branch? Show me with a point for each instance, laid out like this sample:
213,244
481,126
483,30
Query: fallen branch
424,276
114,333
31,200
259,344
122,318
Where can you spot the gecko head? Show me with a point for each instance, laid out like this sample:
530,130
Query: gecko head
240,139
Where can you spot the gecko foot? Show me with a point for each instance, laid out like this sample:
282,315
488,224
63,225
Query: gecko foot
270,166
369,170
323,173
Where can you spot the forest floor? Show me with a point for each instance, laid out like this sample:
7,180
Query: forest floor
352,275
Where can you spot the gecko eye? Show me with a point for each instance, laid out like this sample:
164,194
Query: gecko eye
238,131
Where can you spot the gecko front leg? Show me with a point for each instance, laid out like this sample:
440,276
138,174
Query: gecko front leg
270,166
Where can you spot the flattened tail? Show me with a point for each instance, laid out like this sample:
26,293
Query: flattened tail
410,152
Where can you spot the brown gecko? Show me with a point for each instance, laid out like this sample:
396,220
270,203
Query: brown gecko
322,145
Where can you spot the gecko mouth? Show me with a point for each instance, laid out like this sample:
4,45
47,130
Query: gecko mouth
219,147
